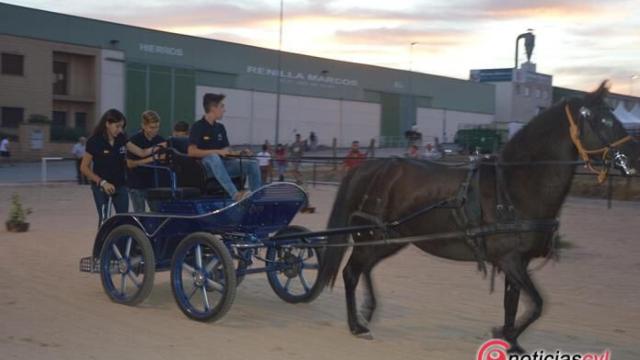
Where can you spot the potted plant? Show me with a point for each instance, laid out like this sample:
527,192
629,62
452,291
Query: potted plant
17,216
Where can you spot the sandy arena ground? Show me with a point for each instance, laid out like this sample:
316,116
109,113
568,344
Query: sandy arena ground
430,308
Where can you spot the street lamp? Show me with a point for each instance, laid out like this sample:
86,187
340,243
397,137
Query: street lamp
411,54
411,97
529,43
633,77
279,76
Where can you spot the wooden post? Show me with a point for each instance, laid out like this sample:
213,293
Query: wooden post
372,148
334,146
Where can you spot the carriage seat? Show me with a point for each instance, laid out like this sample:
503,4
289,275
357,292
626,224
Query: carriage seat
191,179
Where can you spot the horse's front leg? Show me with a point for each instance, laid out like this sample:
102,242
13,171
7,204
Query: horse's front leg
351,275
515,270
369,304
511,299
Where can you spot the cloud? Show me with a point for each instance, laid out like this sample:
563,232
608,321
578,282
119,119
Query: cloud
578,42
402,37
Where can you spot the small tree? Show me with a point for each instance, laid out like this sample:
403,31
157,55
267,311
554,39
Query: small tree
17,220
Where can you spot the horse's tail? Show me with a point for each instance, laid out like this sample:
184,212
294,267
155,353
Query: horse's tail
330,266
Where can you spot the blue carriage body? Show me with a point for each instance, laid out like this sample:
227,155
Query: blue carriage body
251,220
207,241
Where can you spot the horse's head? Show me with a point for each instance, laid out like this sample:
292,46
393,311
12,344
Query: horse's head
599,134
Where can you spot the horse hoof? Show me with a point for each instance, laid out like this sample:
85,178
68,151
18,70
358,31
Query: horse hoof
366,336
497,332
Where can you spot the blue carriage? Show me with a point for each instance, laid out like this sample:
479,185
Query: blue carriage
208,243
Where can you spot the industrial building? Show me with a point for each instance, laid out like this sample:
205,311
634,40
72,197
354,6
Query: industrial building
71,69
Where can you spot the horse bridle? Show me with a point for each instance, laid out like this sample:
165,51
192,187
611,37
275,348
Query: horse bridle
619,159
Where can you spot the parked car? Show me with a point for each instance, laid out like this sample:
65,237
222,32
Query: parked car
450,149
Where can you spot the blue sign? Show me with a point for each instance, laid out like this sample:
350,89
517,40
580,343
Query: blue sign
491,75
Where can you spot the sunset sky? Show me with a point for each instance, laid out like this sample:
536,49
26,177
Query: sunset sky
579,42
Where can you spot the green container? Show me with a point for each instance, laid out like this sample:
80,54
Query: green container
485,140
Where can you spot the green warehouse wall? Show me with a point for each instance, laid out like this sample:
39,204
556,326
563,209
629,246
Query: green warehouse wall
168,91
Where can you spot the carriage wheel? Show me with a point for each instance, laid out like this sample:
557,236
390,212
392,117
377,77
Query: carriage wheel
296,280
127,265
203,278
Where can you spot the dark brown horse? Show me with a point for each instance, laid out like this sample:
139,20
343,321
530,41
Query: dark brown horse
528,185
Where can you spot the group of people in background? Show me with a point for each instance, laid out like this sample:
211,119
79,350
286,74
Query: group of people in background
281,158
430,152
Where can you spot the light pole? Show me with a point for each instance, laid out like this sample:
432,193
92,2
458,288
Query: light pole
279,76
411,97
633,77
411,54
529,44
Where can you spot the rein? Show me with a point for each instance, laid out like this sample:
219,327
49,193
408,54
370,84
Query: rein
574,131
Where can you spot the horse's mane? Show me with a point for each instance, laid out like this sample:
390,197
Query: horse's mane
536,135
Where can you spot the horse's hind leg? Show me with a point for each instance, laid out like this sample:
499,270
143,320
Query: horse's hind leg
369,303
351,275
519,279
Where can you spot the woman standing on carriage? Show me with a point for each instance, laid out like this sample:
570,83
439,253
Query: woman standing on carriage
104,162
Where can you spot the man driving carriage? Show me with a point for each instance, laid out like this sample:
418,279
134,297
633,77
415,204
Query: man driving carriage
208,141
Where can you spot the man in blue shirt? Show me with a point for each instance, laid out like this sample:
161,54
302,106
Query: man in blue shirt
208,141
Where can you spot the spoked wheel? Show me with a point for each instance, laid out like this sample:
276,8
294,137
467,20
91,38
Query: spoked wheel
127,265
296,279
203,278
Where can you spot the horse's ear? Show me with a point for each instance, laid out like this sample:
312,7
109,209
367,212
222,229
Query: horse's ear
599,95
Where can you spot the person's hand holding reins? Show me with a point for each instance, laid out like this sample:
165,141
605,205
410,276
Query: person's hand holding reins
107,187
159,152
155,149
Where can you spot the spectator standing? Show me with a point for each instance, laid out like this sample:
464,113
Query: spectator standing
413,152
264,161
281,161
5,151
296,151
313,141
354,157
431,153
77,151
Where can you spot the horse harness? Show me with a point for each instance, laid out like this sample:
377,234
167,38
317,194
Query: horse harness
469,214
466,210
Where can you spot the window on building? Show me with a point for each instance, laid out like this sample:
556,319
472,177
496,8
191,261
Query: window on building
81,121
545,94
525,91
60,77
12,117
59,119
536,93
12,64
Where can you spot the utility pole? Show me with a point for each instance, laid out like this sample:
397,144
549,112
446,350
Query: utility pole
279,78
